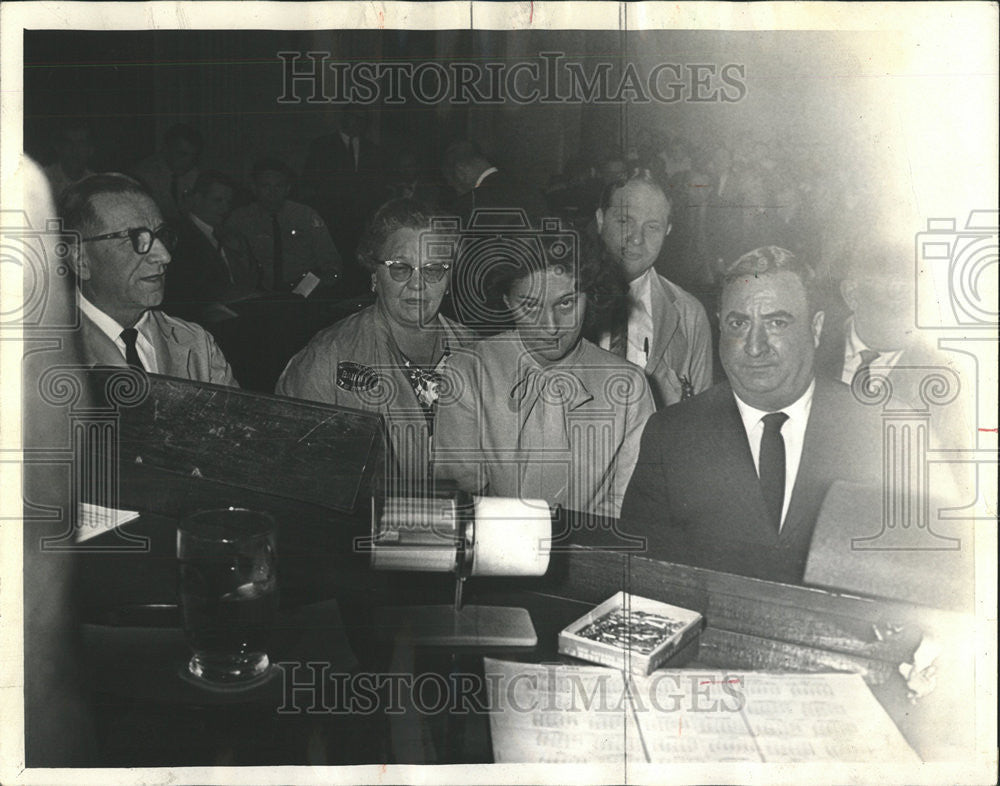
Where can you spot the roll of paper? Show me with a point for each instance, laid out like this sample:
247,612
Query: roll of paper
512,537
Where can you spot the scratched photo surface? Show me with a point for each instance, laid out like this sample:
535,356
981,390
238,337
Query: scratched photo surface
528,165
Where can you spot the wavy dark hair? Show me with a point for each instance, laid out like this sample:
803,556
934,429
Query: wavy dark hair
768,260
392,215
635,175
598,276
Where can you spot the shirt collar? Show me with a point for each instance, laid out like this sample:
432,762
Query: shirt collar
798,410
641,287
107,325
206,229
855,346
854,343
485,175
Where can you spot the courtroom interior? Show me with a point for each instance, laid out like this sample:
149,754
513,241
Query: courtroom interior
402,388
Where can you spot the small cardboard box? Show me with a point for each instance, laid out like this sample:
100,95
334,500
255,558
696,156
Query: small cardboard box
684,625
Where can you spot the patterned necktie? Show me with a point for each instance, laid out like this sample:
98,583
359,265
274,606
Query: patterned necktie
863,376
772,466
129,335
279,255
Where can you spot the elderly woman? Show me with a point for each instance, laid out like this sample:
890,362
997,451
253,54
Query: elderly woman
388,358
539,412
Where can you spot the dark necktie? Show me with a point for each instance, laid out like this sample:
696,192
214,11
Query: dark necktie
222,256
279,254
772,466
129,335
862,377
618,344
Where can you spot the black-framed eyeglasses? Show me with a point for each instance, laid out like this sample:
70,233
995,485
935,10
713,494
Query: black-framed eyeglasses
403,271
142,238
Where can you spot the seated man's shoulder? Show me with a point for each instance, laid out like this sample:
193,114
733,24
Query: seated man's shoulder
302,210
695,414
682,298
846,416
244,215
182,331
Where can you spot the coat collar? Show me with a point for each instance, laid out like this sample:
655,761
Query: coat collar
666,321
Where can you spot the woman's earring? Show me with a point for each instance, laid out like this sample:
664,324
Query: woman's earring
373,283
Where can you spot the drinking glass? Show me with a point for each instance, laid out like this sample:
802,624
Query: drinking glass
228,592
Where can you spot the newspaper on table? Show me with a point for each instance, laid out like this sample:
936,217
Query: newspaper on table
561,713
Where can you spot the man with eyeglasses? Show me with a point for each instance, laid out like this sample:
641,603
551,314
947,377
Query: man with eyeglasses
120,266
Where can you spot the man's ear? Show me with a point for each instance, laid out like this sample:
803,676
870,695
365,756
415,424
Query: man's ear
79,261
669,227
817,326
599,215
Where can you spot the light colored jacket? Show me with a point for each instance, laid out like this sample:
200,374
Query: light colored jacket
353,364
681,346
183,349
567,433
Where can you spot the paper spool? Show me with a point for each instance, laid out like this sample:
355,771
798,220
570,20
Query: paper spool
513,537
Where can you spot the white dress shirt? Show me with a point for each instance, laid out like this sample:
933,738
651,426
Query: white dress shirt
354,143
110,328
640,321
793,432
486,173
209,232
852,356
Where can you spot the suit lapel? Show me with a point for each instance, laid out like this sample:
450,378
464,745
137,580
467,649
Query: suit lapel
172,357
734,462
818,431
666,321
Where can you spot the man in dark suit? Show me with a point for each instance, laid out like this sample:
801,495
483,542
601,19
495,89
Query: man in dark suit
343,180
480,185
734,478
878,341
487,199
210,267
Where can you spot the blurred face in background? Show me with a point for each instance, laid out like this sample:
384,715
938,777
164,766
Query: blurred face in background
213,205
548,311
75,151
884,309
634,226
180,155
271,189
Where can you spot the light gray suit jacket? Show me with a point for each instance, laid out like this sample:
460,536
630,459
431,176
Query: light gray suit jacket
682,343
183,349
